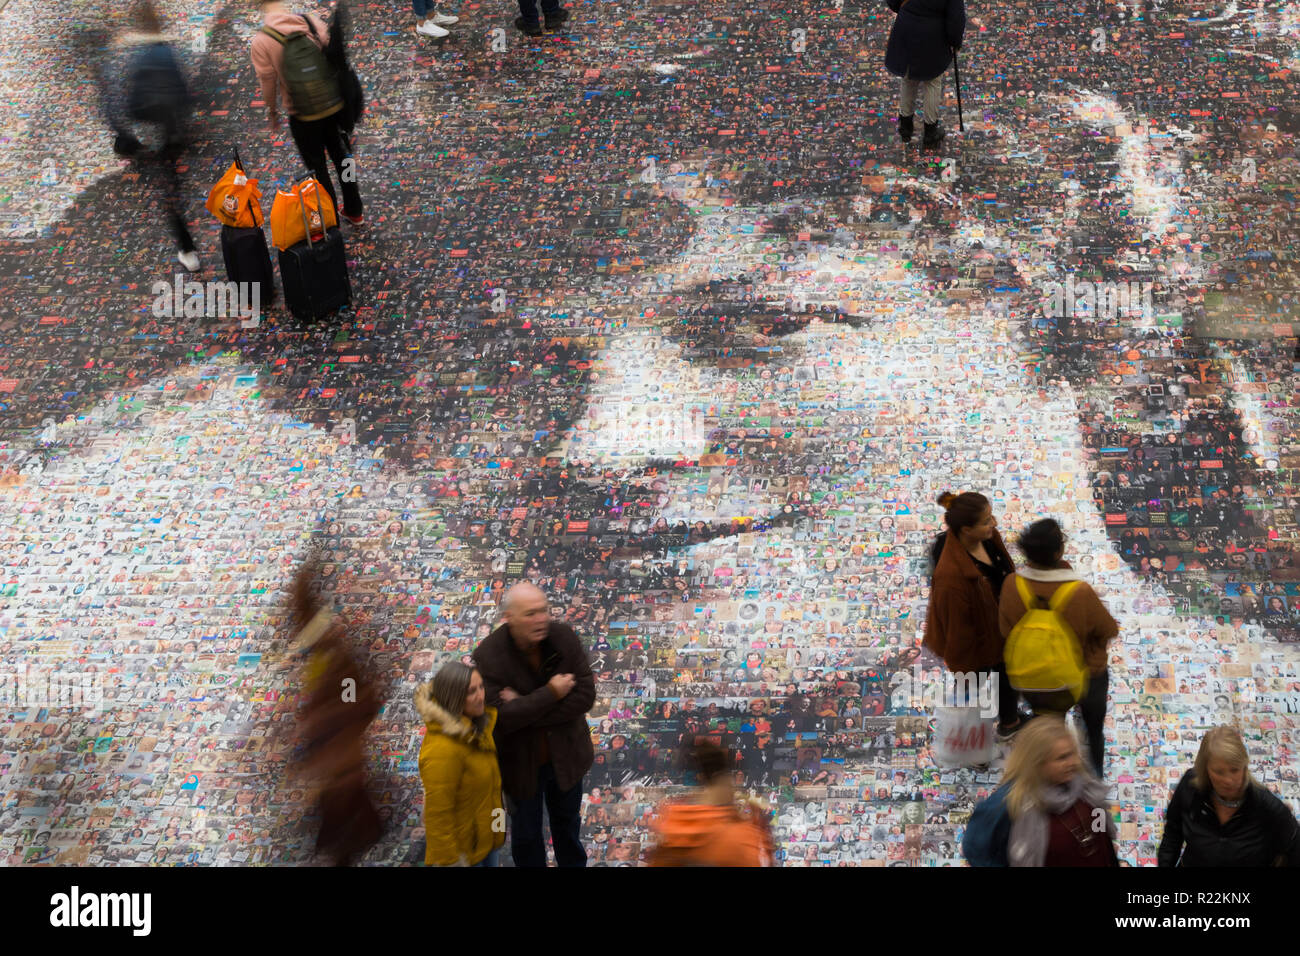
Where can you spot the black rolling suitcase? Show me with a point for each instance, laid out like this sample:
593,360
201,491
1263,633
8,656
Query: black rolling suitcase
314,274
248,259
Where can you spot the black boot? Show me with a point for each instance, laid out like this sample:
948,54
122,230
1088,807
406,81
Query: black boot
556,20
905,128
528,29
934,135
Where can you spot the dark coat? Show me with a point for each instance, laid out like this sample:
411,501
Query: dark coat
1262,832
961,625
536,714
988,831
921,36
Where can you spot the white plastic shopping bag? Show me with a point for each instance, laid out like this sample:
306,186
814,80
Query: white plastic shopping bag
963,737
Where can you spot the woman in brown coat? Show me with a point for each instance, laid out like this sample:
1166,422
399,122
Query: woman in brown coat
961,626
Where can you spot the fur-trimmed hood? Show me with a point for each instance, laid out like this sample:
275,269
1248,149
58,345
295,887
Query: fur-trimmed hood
459,728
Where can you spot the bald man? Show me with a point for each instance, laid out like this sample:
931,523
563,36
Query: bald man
536,674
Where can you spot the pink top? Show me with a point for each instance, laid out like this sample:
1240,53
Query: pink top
268,55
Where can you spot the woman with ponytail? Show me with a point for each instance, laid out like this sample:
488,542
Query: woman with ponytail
961,626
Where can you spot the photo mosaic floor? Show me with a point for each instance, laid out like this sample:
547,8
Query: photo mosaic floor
659,314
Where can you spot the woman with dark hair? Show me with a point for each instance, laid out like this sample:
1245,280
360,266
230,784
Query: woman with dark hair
709,829
464,818
961,625
1043,544
1220,815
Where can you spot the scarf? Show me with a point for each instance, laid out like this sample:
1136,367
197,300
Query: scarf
1029,833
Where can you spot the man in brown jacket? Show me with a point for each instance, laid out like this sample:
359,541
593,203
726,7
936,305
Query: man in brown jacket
1043,544
536,674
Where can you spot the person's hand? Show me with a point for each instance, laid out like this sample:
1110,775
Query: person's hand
560,685
508,694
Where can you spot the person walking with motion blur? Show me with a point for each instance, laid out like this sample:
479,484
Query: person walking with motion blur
961,625
922,42
147,103
1049,811
464,821
709,829
1048,582
341,703
1220,815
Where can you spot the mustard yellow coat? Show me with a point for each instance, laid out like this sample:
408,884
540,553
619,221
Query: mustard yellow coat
464,818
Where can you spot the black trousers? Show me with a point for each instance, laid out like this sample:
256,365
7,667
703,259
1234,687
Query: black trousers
160,171
564,808
528,9
318,139
1092,711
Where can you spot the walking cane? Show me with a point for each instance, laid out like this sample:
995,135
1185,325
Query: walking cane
956,75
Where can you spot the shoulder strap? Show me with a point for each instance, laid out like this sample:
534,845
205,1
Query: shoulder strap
1026,594
310,26
1061,596
275,35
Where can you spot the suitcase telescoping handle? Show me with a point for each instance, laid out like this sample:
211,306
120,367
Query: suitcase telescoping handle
302,208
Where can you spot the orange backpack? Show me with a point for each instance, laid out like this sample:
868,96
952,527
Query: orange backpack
303,205
235,200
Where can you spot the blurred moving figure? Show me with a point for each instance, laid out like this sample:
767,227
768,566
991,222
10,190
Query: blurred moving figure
1048,573
340,704
464,820
1220,815
709,829
1049,811
145,99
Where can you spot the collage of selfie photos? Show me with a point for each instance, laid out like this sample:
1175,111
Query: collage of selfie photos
659,314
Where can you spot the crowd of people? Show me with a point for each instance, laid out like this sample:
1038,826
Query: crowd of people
804,556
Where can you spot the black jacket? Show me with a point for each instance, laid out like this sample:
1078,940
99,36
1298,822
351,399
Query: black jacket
922,33
1258,834
522,723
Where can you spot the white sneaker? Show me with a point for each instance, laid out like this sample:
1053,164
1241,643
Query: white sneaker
445,19
190,260
431,29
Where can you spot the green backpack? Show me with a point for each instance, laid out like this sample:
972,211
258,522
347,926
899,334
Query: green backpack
1042,654
313,87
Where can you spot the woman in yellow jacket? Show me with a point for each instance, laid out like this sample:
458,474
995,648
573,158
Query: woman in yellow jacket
464,820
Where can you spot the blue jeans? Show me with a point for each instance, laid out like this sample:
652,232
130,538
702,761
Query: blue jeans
564,808
528,9
422,8
490,860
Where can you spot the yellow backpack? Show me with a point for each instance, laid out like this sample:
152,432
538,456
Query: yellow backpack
1042,653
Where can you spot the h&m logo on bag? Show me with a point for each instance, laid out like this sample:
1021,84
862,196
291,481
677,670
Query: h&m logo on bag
75,909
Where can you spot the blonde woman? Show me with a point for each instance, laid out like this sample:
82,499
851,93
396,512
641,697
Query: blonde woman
1049,811
1220,815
